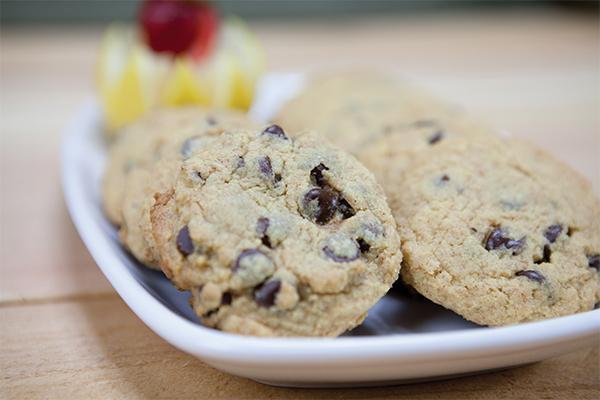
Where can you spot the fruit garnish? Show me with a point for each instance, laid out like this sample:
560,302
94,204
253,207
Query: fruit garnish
237,40
176,26
223,80
219,68
129,77
185,86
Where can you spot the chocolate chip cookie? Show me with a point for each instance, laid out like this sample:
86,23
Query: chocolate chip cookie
277,236
146,159
498,231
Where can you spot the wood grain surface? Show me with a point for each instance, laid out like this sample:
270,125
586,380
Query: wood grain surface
64,333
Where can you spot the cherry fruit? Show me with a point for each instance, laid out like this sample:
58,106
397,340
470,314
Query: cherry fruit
177,26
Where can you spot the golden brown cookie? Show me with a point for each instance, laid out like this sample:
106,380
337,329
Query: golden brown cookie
277,236
498,231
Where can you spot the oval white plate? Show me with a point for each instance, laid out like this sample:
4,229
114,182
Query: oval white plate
402,340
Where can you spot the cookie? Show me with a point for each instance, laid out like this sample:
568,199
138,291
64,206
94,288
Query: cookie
145,160
353,109
498,231
277,236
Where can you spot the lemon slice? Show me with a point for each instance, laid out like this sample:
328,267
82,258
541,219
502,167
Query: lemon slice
237,40
223,73
114,50
128,77
185,85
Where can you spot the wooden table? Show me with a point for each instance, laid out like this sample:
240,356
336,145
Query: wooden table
64,332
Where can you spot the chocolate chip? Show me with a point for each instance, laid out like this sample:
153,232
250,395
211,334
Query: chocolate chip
241,162
545,255
275,130
266,241
363,245
264,164
516,245
331,254
316,175
552,232
341,249
494,240
533,275
226,299
497,239
210,120
444,178
317,178
187,148
436,137
251,268
262,224
184,242
244,254
345,208
594,261
369,235
266,293
320,204
327,201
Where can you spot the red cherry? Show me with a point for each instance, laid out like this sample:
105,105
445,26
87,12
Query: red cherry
170,26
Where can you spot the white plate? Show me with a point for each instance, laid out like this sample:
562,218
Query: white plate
402,340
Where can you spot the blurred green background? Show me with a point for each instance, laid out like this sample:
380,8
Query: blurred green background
84,11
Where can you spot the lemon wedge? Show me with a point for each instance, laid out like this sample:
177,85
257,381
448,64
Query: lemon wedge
128,77
185,85
237,40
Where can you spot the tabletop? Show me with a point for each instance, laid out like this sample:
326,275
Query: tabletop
65,333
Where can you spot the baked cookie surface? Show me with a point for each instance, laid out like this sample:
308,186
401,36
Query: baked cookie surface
354,108
391,155
146,159
499,232
277,236
386,122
